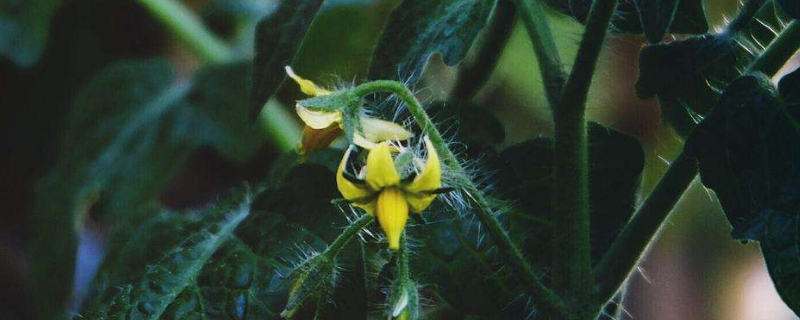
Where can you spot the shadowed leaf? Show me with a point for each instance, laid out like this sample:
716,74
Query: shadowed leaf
748,154
418,29
278,37
24,26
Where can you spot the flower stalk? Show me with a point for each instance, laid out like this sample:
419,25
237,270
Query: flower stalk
315,278
548,302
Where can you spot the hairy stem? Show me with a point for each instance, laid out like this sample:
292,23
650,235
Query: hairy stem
403,271
779,50
548,302
628,248
472,77
573,268
190,29
550,66
348,233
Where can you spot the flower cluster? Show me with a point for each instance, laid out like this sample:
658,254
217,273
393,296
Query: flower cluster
394,180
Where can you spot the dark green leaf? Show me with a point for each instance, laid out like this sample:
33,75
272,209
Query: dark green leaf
748,154
525,177
690,18
244,278
157,286
24,26
782,254
791,7
129,129
689,74
278,37
475,127
418,29
788,88
626,18
462,261
656,16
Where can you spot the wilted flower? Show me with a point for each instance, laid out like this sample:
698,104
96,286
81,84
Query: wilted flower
324,126
380,190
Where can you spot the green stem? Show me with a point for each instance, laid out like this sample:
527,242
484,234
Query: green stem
628,248
573,268
472,77
548,302
779,51
190,29
351,231
403,271
550,66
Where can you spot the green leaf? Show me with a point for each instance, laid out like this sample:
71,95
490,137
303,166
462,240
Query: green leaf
747,152
150,271
688,75
129,130
655,17
660,17
461,260
418,29
525,178
474,126
24,26
153,292
791,7
135,124
278,37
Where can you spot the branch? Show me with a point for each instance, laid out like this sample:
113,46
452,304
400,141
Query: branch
573,267
471,78
628,248
182,21
550,66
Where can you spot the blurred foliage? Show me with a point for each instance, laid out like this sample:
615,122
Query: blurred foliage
132,130
24,26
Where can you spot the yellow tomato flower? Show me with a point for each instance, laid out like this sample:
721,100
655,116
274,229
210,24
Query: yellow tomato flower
323,126
385,195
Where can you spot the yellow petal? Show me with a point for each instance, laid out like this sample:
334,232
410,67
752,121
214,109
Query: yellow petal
428,180
348,189
377,130
318,119
380,168
392,213
307,86
418,202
